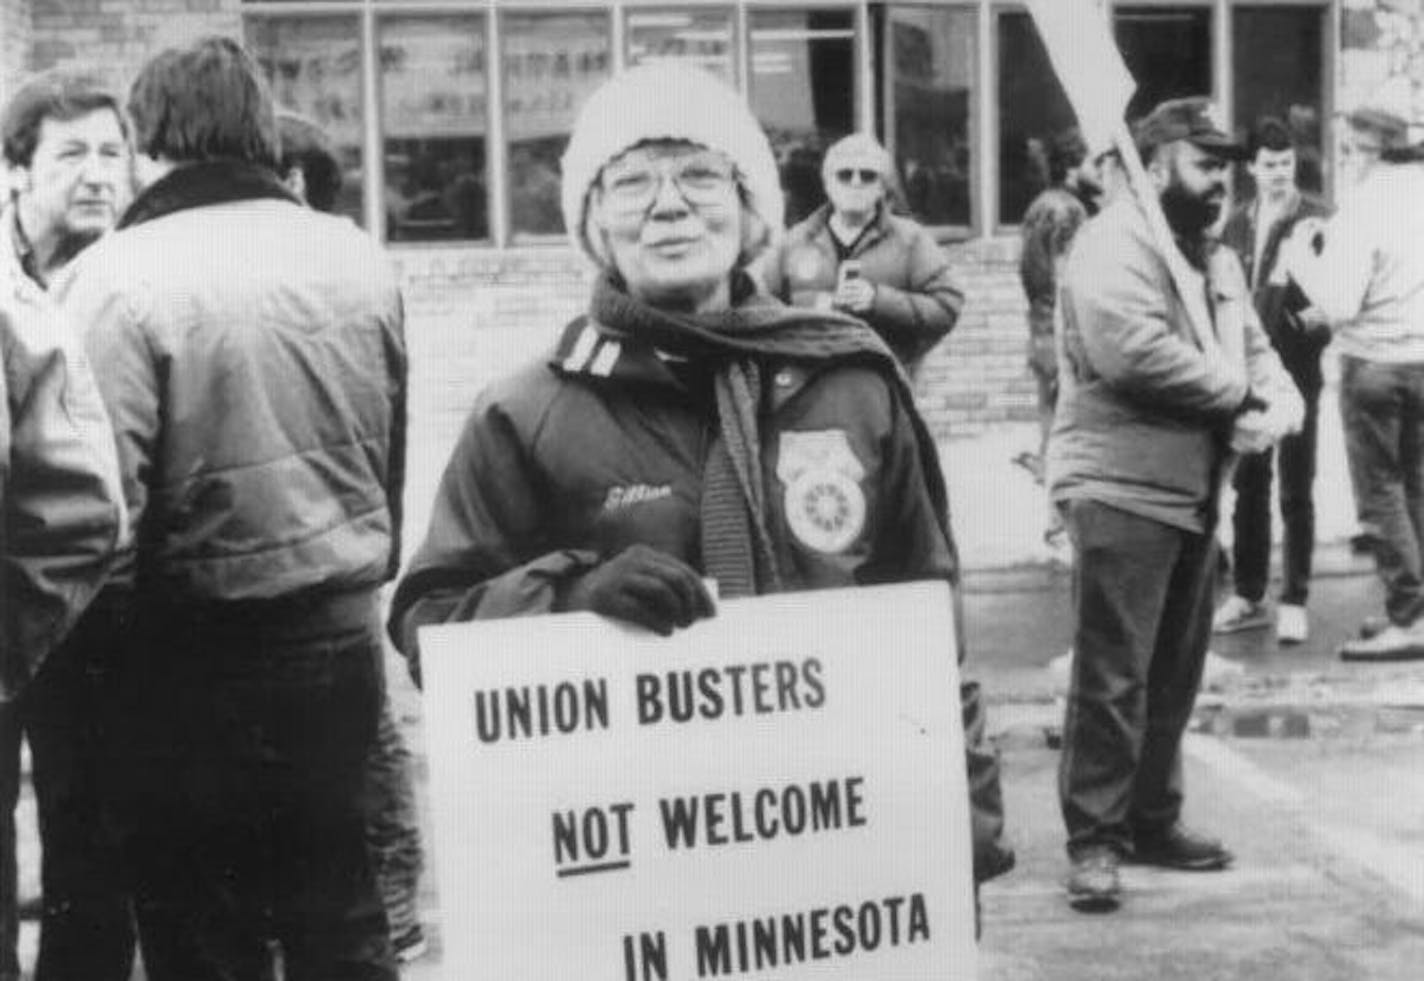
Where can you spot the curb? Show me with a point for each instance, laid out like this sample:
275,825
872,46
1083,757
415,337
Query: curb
1331,559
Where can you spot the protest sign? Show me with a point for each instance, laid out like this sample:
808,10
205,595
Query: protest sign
777,791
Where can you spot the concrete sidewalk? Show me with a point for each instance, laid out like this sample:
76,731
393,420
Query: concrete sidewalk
1300,902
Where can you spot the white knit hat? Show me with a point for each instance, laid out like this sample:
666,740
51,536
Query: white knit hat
667,100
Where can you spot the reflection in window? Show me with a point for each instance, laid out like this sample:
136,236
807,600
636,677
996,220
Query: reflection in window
1278,52
433,117
803,90
1032,110
313,65
929,66
1168,51
701,37
552,63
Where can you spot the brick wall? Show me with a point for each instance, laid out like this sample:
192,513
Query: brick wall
115,37
477,314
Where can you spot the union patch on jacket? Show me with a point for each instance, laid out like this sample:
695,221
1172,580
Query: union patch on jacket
824,504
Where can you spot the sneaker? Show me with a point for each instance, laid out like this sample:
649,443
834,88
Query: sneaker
410,945
1177,847
1370,626
1393,643
1292,625
1094,885
1239,613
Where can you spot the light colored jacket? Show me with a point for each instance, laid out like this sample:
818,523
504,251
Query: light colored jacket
60,513
1369,277
254,364
916,302
1144,415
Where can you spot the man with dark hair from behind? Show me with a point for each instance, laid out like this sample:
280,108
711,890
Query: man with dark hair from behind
1299,333
312,172
309,164
258,393
67,156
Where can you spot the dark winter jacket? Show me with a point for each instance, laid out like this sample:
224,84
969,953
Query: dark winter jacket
916,302
252,358
575,459
1280,303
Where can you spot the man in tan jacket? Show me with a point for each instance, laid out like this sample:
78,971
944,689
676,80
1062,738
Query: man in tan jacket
1151,408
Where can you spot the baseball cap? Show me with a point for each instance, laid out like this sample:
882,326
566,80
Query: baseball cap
1194,119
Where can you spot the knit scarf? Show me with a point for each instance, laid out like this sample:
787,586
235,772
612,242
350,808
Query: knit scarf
737,547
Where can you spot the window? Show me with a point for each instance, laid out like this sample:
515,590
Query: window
1032,110
1168,51
552,63
433,126
803,90
1277,54
313,65
700,36
929,66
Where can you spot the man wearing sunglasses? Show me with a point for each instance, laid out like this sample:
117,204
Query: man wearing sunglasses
854,255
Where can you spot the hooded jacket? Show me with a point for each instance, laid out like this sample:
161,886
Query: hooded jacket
60,503
254,366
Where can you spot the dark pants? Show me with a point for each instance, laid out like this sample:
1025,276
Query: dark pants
1251,521
1143,597
86,933
245,731
11,736
393,825
1382,406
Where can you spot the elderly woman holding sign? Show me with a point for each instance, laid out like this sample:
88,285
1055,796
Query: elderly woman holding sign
686,425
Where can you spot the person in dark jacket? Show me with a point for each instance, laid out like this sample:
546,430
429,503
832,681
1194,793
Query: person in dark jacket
1299,333
258,398
687,425
854,256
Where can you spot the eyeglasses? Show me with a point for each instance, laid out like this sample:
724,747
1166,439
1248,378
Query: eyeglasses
849,175
701,180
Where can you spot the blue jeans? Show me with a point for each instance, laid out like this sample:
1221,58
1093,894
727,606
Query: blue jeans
243,735
1382,407
1142,594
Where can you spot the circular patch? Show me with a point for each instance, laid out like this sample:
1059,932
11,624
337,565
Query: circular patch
805,265
825,509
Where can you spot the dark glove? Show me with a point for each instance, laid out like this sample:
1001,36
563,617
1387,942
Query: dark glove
644,586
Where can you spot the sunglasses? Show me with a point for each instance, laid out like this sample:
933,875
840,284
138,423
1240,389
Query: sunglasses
865,176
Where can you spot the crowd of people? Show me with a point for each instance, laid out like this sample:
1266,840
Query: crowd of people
204,458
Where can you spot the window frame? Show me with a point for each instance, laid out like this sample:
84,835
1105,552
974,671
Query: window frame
871,112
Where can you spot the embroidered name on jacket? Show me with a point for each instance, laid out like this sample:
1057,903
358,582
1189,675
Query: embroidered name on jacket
825,507
622,497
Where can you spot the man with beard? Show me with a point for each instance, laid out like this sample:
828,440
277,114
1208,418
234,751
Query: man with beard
1150,407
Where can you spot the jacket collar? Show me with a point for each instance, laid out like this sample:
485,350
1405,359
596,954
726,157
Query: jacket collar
198,185
878,228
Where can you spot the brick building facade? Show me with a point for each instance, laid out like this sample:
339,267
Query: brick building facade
415,100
